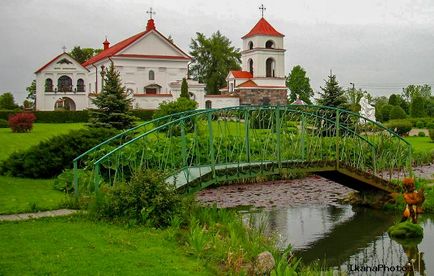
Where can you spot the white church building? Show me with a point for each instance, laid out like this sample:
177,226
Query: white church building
152,68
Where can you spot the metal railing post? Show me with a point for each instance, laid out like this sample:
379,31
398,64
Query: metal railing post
278,131
75,181
338,138
211,144
246,128
184,150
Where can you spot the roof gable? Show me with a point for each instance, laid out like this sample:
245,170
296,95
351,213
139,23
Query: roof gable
134,47
153,44
263,28
63,59
240,74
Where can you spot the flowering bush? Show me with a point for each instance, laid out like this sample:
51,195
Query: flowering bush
21,122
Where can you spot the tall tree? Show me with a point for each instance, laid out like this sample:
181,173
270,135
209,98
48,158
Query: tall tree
299,85
332,94
417,107
7,101
353,97
83,54
412,91
213,58
31,95
113,104
184,89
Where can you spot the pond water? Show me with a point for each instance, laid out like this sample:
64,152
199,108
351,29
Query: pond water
306,214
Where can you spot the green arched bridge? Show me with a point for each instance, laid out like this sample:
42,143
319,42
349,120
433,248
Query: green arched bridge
199,148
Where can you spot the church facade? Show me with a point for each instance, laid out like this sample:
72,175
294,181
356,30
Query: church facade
152,68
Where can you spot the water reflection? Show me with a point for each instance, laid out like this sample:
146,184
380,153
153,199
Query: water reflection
346,238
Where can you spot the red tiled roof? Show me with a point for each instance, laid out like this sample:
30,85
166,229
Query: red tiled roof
242,74
53,60
263,28
113,50
248,83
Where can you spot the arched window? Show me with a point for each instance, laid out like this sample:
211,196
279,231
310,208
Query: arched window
269,67
151,75
269,44
80,85
208,104
64,84
251,66
250,45
192,96
48,85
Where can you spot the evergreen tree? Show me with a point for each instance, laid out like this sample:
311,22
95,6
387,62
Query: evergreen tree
113,104
332,95
385,112
184,89
397,113
299,84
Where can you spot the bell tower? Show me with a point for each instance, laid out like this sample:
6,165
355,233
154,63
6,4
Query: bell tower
263,54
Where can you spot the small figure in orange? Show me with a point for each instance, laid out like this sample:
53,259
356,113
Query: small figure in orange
414,200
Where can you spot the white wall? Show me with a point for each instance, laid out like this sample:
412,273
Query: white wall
219,101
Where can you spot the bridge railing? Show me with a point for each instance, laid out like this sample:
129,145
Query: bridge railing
213,145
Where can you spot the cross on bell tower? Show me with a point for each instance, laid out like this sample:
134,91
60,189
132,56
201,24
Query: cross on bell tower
262,8
150,12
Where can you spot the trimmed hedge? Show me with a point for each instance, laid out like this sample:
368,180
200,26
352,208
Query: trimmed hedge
50,157
4,123
402,127
81,116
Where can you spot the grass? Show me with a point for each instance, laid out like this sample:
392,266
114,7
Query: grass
77,246
420,144
18,195
12,142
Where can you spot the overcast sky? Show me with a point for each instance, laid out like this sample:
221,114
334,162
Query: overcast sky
380,45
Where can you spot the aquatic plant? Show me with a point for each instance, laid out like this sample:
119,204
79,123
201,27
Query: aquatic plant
405,230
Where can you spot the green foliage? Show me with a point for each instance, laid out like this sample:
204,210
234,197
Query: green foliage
184,89
430,125
431,134
385,112
332,95
379,102
213,58
402,127
397,100
83,54
3,123
31,94
7,101
50,157
397,113
64,181
405,230
299,85
113,104
417,107
412,91
420,124
354,96
145,199
180,105
421,134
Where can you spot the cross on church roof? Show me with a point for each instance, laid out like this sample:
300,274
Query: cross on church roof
150,12
64,49
262,8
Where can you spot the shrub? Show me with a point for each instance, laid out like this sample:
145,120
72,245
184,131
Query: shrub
3,123
21,122
64,181
145,199
385,112
401,127
180,105
421,134
143,114
431,134
420,124
430,125
49,158
397,113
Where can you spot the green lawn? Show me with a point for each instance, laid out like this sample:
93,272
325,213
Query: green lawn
18,195
77,246
420,144
11,142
